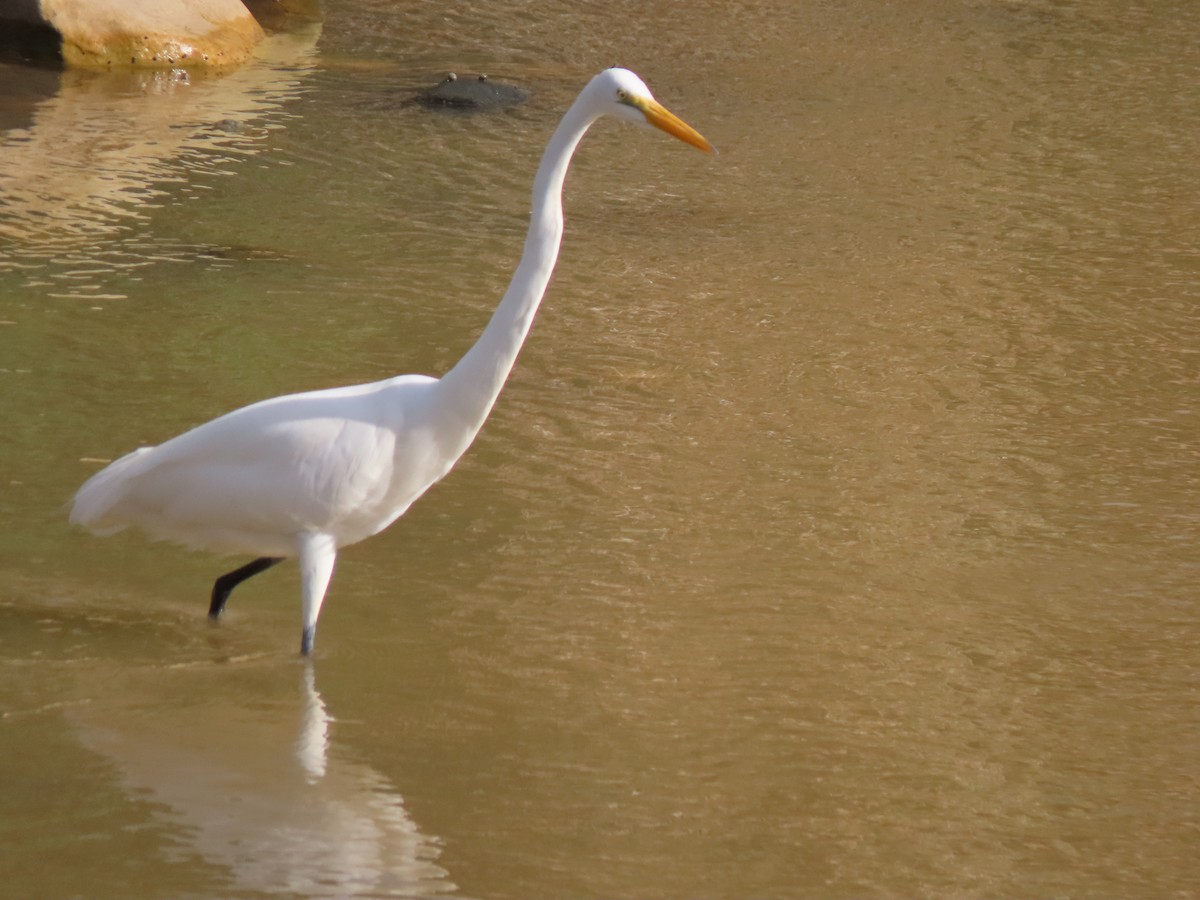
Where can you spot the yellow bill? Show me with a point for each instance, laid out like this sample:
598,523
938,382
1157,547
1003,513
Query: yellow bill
661,117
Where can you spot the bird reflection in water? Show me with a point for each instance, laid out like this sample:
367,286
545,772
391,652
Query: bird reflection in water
312,744
267,807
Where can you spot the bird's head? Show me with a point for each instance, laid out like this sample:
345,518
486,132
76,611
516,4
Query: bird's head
622,94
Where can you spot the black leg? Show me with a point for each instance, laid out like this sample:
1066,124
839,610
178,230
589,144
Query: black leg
226,583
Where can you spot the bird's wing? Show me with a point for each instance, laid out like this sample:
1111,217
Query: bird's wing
252,479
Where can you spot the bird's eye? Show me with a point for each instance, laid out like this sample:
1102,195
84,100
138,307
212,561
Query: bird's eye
622,96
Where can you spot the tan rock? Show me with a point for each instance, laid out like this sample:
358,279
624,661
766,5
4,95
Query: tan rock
153,33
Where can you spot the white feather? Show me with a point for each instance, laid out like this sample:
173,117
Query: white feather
307,474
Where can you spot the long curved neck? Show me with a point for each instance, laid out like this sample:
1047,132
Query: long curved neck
471,387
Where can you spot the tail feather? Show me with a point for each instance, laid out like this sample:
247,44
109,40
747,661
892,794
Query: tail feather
97,505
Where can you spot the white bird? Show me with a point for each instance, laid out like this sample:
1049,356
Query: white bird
306,474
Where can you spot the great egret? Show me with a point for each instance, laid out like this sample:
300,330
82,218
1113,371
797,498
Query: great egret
307,474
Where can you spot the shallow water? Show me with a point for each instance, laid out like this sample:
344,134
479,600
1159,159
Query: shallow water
835,535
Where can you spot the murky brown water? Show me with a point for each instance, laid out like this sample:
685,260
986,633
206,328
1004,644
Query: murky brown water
836,535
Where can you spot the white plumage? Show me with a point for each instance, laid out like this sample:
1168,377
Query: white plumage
307,474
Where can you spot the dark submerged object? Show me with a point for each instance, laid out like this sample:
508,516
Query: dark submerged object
471,93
